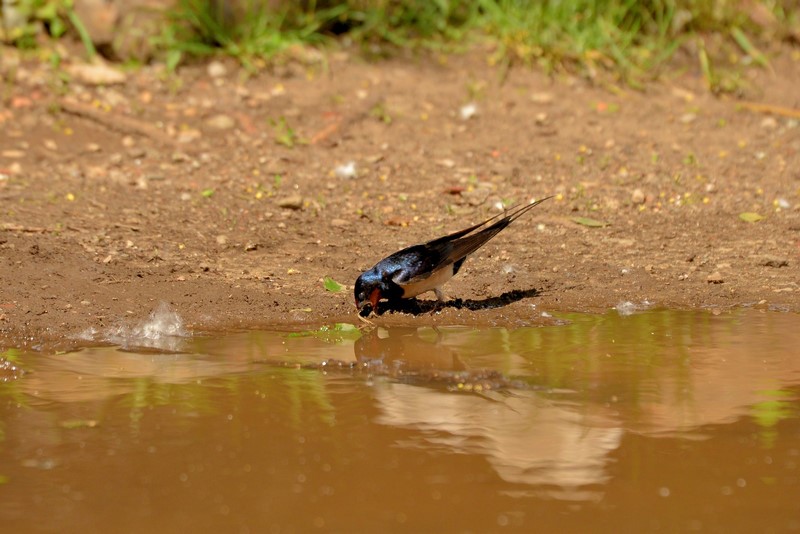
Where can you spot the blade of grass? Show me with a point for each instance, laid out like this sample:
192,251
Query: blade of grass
705,66
748,47
73,17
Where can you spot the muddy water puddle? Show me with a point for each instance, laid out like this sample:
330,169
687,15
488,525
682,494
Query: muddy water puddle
657,421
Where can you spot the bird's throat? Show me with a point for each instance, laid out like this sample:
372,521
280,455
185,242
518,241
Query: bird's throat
374,297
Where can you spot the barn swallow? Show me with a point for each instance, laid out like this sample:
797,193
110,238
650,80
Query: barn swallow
427,266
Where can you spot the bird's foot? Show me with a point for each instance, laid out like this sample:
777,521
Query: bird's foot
440,298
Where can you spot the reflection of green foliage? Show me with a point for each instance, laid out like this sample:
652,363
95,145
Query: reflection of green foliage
3,478
11,388
338,333
308,398
641,359
769,413
12,355
148,393
303,389
630,357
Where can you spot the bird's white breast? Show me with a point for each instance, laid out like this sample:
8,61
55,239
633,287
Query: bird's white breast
414,288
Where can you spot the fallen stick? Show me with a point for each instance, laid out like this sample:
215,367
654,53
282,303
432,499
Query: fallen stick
325,132
115,121
769,108
8,227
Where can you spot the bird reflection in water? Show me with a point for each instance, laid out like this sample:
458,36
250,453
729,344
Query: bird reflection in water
403,347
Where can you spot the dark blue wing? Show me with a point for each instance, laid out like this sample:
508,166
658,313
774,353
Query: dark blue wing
421,261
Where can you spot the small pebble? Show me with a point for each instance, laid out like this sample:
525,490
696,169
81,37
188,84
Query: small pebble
541,98
715,278
775,261
769,123
626,308
221,122
294,202
346,171
468,111
136,153
189,135
96,73
216,69
637,197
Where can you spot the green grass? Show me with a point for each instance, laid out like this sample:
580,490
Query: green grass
624,39
627,37
252,33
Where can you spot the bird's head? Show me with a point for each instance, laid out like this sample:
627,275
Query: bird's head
368,290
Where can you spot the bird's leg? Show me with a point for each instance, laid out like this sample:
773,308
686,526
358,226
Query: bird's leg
439,300
365,320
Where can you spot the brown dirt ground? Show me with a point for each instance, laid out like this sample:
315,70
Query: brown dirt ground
104,214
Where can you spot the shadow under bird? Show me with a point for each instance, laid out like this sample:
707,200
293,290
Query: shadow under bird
427,266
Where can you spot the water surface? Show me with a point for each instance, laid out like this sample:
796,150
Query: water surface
658,421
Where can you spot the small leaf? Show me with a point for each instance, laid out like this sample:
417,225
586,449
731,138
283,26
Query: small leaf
173,59
751,217
207,193
332,285
593,223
